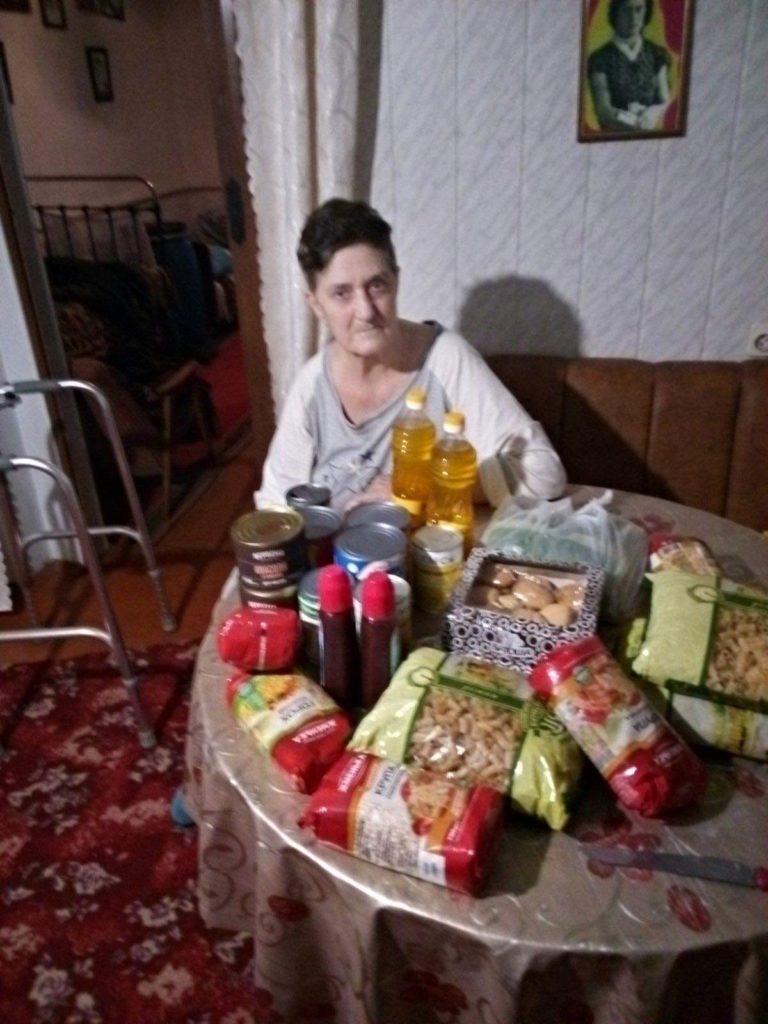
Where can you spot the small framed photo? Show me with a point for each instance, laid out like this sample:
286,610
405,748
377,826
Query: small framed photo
6,76
634,69
101,76
53,14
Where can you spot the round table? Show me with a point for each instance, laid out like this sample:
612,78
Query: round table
554,939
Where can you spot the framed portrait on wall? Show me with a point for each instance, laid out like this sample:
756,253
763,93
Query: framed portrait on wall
53,14
634,68
5,74
101,76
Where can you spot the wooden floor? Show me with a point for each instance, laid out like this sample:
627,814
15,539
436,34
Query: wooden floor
195,558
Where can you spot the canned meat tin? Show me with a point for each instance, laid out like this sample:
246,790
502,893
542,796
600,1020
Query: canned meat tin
308,494
360,545
270,547
386,512
321,525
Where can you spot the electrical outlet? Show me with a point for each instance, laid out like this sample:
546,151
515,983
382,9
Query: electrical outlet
757,341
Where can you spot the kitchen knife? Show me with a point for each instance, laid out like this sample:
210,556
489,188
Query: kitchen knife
718,869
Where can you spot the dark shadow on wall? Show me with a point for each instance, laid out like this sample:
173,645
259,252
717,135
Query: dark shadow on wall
369,39
519,315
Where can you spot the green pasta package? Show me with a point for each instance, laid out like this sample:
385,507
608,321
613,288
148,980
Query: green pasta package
477,724
706,646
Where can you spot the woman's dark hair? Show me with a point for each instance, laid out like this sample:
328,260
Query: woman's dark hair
614,6
337,224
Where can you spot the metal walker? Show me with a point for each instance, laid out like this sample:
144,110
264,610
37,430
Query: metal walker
10,396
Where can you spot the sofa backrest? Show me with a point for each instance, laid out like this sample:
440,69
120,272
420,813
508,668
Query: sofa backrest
693,432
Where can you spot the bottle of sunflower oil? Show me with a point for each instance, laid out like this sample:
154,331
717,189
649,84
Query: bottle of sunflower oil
413,438
454,470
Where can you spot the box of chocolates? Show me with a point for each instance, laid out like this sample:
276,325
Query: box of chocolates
511,611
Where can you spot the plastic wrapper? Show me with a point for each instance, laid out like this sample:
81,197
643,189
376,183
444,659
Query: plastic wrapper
538,530
476,724
259,639
415,822
680,554
294,720
706,646
642,758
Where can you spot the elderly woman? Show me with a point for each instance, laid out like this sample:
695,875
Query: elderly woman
336,426
629,76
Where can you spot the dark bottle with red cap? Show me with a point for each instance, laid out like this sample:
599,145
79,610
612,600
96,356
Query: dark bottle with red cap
339,654
379,638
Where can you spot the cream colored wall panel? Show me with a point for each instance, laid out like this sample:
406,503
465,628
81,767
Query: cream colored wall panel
739,295
689,196
422,55
491,64
553,194
620,187
531,241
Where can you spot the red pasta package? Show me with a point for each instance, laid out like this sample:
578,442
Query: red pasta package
293,719
259,639
642,758
415,822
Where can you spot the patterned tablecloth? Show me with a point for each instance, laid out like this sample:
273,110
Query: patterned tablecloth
553,940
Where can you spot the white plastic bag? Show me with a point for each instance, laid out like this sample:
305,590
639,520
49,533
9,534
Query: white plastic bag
541,531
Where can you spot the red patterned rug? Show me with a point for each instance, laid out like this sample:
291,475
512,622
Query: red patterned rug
98,916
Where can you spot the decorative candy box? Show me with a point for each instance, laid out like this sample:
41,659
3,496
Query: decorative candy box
511,612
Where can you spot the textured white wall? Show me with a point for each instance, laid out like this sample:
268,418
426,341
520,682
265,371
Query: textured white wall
529,241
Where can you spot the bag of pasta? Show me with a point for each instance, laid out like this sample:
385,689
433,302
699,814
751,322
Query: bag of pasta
477,724
292,719
415,822
706,645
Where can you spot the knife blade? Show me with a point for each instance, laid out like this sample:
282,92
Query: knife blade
717,869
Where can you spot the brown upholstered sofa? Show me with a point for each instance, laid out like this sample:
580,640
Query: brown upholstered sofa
693,432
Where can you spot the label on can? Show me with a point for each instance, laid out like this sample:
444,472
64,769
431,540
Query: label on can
360,545
437,554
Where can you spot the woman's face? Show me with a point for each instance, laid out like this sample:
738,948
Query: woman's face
630,18
356,298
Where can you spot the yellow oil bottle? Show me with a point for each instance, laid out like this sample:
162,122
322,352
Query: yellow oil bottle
453,471
413,438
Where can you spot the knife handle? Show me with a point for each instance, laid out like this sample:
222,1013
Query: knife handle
761,878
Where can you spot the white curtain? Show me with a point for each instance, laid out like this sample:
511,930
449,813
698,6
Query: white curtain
299,65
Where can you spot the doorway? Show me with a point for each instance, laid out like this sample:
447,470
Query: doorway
164,121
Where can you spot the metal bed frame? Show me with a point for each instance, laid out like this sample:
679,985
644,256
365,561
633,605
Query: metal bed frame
150,202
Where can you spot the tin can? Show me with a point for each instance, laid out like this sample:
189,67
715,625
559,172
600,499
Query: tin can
358,546
402,607
252,596
387,512
321,525
437,560
308,494
270,547
309,615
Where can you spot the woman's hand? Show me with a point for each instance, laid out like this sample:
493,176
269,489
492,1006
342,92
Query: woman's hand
379,489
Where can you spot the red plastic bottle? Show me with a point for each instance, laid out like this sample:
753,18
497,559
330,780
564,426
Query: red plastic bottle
337,636
379,638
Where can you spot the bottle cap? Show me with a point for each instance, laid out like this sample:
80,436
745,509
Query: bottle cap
416,398
334,589
453,422
377,596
